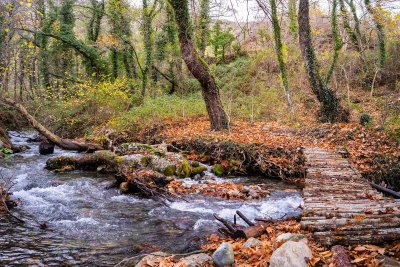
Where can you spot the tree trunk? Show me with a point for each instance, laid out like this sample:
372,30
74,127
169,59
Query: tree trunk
198,67
279,54
331,110
62,143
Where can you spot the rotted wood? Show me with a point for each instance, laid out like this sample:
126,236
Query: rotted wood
239,231
342,208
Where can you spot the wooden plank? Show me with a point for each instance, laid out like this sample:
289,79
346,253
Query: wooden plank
341,207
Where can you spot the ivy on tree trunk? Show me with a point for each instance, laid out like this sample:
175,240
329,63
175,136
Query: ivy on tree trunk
331,109
198,67
279,53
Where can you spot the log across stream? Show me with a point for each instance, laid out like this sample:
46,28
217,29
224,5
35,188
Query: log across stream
90,225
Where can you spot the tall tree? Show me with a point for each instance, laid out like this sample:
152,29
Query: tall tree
380,28
331,110
148,14
94,25
293,27
337,41
279,49
203,25
198,67
120,30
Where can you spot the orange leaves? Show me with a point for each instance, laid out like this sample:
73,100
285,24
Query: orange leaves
366,147
224,190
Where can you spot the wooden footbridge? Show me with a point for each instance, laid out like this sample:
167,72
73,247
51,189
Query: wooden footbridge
340,207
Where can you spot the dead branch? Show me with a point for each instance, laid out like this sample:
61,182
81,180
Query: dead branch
62,143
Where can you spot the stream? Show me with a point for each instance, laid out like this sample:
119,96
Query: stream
91,225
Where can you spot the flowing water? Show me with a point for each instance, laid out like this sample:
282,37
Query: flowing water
92,225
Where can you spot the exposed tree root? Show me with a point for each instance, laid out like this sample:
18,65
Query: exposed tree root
247,159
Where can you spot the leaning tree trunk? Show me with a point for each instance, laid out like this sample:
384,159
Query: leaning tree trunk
62,143
198,67
331,109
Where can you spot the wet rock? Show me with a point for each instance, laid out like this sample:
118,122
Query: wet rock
124,187
19,149
291,254
150,260
218,170
251,243
196,260
60,162
224,255
63,169
289,236
46,148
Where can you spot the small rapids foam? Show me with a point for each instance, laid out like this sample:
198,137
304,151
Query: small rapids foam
275,207
125,199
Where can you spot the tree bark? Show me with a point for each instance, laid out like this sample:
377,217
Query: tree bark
331,109
198,67
62,143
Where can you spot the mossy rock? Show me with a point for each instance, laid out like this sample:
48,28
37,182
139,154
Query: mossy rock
170,170
184,170
60,162
68,168
198,170
195,164
146,161
218,170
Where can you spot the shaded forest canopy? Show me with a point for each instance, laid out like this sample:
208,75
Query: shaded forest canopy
89,67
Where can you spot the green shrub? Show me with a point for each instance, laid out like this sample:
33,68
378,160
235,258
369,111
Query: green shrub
365,119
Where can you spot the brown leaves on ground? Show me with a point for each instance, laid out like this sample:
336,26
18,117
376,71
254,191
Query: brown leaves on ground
226,190
365,146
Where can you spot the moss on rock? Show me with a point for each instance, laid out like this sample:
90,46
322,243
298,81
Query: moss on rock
218,170
170,170
198,170
184,169
60,162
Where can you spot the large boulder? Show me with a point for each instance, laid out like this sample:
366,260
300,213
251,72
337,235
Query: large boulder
46,148
224,255
196,260
291,254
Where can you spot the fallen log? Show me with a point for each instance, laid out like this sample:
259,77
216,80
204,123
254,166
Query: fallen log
51,137
237,231
386,191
